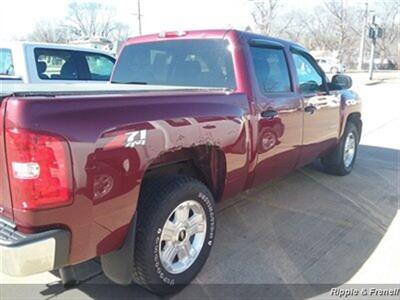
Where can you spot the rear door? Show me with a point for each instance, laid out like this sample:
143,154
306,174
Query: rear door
278,108
321,109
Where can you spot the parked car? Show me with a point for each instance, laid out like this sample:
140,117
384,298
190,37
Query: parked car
385,64
53,63
331,65
131,171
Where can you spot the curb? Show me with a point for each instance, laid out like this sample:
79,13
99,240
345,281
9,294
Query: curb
374,82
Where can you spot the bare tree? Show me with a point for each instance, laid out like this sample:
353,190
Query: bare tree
84,20
316,26
347,21
89,19
264,14
338,13
48,31
388,13
332,28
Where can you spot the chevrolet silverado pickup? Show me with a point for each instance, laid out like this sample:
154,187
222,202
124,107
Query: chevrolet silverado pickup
130,171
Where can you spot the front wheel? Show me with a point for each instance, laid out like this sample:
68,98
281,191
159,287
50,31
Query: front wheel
341,160
175,232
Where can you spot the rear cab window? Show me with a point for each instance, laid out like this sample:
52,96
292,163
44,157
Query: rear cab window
58,64
6,62
189,62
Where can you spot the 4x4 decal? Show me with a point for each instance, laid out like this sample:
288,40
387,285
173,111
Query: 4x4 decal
135,138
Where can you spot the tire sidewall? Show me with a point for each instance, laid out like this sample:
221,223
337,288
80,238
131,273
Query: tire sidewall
349,129
205,199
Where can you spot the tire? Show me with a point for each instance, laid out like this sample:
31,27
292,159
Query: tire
160,199
336,162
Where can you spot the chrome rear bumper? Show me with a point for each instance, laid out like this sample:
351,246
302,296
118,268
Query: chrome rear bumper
27,254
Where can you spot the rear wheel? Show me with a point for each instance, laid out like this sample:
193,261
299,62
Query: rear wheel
341,160
175,232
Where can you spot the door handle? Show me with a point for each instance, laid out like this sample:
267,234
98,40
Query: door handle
269,114
310,109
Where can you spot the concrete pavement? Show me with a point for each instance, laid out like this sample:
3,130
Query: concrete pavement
305,228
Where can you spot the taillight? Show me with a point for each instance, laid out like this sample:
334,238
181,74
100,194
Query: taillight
38,169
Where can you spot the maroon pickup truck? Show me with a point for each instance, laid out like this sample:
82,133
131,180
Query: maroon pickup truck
130,171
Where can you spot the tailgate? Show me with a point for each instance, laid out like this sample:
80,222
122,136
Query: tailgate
5,199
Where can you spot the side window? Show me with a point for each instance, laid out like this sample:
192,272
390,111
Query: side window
310,80
54,64
271,70
6,62
100,66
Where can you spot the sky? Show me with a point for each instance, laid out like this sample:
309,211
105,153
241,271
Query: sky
17,17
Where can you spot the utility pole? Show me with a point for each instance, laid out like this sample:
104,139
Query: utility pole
362,43
374,32
371,60
139,15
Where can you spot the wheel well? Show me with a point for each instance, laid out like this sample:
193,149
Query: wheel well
205,163
355,118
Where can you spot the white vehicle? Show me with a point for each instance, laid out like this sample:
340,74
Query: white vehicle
24,62
330,65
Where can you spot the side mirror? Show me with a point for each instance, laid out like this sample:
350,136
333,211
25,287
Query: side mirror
341,82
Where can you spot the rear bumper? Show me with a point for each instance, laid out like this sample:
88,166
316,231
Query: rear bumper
27,254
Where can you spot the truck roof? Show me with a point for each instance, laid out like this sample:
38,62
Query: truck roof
25,44
209,33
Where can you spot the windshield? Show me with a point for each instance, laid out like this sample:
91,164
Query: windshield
193,63
6,63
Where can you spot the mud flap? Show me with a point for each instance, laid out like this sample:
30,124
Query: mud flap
117,265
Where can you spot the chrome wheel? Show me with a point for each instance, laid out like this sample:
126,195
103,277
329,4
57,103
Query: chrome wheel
349,149
182,237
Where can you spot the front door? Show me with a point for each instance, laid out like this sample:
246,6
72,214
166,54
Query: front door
279,112
321,109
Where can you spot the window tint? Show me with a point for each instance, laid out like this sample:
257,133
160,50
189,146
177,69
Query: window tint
310,81
197,63
271,70
100,66
57,64
6,62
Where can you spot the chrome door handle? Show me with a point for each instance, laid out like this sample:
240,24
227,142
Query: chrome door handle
310,109
269,114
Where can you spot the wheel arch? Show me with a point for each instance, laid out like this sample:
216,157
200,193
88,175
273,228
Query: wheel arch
205,163
355,118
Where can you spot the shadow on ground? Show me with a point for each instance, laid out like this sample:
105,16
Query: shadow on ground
293,237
